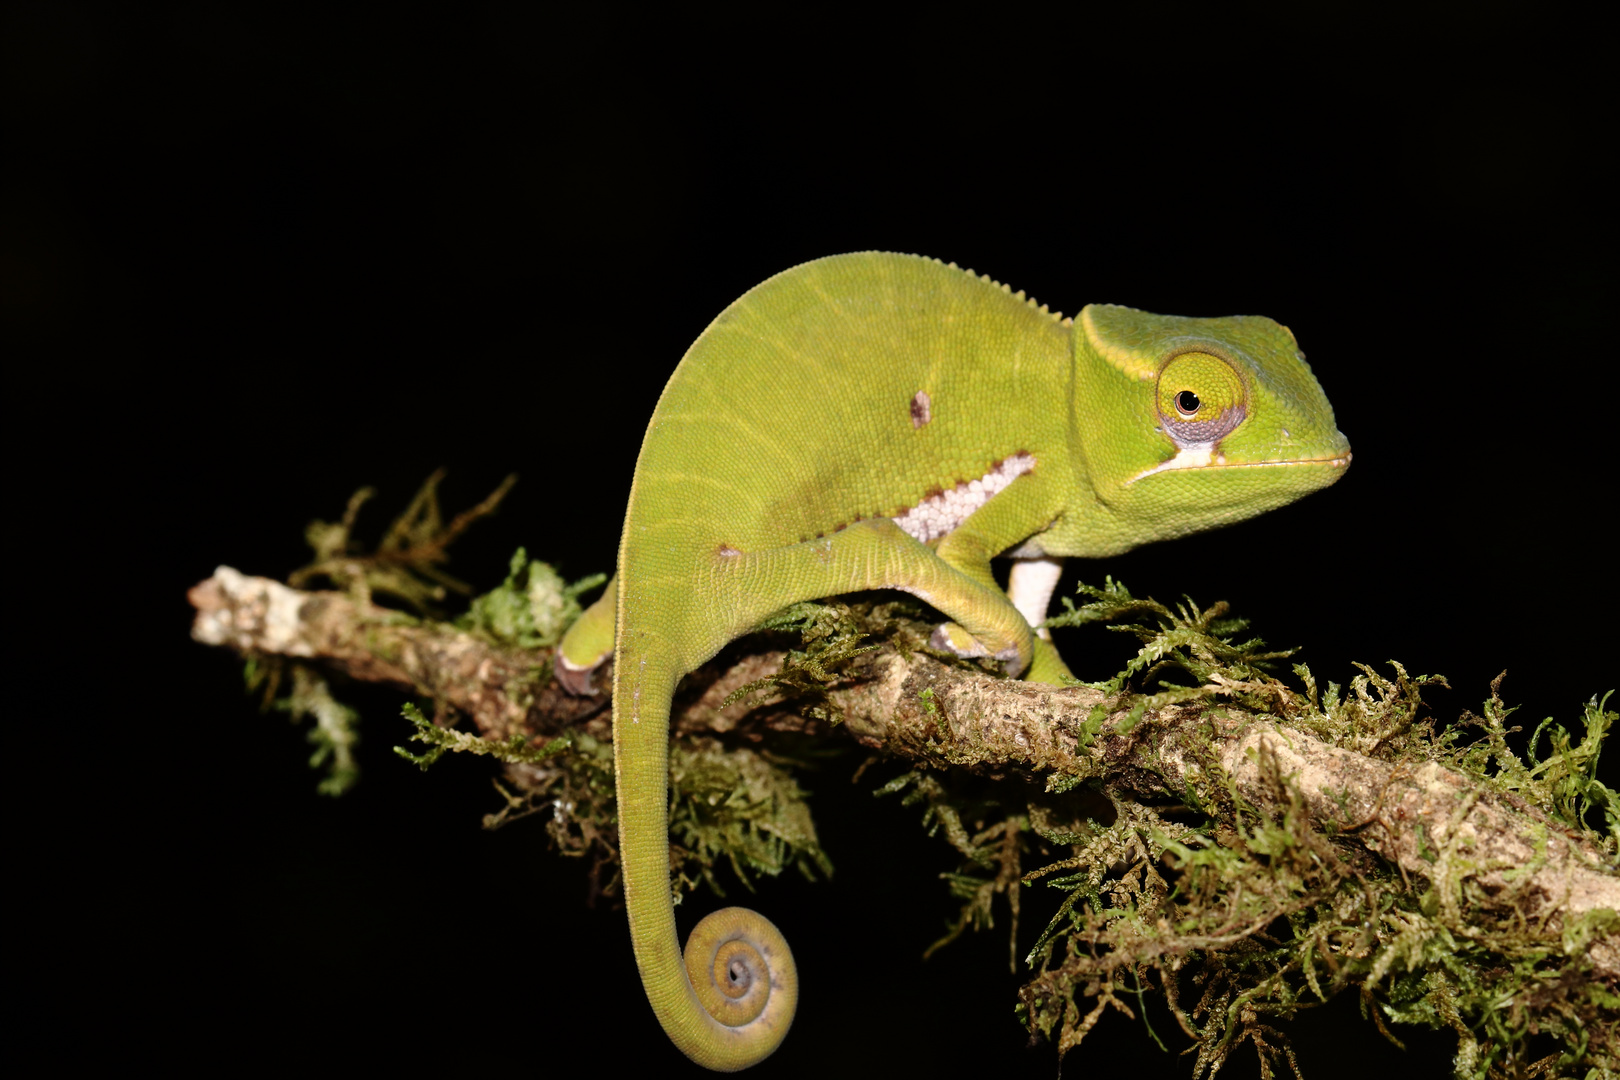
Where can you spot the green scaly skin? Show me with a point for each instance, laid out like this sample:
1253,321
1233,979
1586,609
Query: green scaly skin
829,402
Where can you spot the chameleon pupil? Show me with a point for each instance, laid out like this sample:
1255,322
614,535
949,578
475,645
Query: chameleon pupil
1187,402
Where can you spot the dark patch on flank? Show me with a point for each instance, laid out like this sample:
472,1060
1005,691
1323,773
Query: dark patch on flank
921,409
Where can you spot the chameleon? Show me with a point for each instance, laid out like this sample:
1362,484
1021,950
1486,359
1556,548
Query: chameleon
887,421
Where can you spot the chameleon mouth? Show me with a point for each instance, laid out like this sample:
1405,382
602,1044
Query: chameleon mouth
1206,458
1338,462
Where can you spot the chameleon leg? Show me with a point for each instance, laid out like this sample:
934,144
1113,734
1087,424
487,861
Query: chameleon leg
874,554
993,528
729,1001
588,643
1030,585
1048,666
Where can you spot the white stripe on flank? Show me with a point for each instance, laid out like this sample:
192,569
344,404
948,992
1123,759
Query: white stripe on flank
940,514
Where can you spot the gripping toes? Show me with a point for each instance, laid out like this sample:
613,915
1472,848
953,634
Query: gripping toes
950,637
578,679
587,644
953,638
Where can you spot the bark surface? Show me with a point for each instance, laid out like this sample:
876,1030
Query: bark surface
1427,819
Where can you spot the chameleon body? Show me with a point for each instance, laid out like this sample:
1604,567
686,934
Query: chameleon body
886,421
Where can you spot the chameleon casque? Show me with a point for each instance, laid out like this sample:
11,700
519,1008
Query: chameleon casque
884,421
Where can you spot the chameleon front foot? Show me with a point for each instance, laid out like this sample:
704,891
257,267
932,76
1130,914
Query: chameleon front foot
1048,667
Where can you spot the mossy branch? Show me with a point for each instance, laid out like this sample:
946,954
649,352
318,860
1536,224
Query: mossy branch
1320,841
407,563
941,715
515,749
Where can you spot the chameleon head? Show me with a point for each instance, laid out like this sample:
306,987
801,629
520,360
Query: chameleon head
1195,423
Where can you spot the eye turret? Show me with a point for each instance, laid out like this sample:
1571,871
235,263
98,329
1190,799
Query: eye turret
1201,398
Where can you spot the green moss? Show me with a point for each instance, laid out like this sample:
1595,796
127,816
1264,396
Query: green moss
1563,784
519,749
335,732
407,564
530,609
576,792
728,805
1186,641
1241,916
993,852
733,804
831,635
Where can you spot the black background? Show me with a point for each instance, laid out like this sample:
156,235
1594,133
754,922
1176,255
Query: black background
256,256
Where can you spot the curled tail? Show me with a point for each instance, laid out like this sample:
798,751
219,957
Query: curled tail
730,1001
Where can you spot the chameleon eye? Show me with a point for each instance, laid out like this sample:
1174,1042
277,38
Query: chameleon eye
1201,398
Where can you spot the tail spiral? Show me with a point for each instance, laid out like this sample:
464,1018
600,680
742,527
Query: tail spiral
743,975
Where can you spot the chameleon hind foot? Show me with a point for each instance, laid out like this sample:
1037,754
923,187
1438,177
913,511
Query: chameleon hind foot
1046,667
577,680
587,644
953,638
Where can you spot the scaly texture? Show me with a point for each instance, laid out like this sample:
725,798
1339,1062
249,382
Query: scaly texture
825,434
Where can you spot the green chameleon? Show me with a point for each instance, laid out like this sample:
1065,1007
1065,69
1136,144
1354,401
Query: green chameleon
883,421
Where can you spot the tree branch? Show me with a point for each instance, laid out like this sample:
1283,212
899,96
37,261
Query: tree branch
1427,819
